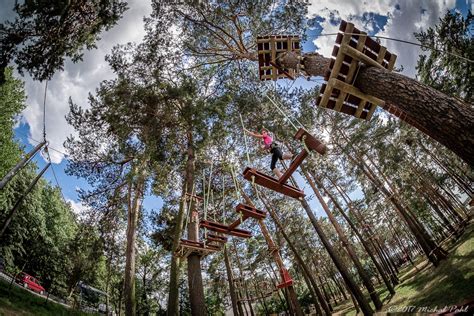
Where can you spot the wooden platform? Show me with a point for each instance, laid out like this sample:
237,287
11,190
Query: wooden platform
272,183
268,48
188,247
220,228
338,93
216,238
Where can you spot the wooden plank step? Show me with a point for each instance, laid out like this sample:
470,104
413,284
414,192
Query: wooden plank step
220,228
311,142
217,240
272,183
198,244
250,211
294,165
221,238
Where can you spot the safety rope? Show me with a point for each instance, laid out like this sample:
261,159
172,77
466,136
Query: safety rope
245,139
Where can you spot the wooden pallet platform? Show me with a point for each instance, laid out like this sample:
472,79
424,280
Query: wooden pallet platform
268,48
271,183
350,50
224,229
196,198
188,247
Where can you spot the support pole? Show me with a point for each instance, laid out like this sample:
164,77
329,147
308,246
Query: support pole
22,197
20,165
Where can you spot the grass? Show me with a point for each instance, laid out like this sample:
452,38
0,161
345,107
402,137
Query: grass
17,301
426,286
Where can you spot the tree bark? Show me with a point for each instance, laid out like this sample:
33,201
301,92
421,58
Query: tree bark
230,278
173,296
350,250
446,119
135,195
364,305
359,236
299,259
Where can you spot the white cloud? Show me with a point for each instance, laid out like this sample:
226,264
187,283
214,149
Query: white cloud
78,208
404,18
77,80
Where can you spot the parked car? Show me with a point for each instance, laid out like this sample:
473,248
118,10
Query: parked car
29,282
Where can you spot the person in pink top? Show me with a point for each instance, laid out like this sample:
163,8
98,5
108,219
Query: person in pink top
272,148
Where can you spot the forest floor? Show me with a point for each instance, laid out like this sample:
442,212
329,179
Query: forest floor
18,301
429,289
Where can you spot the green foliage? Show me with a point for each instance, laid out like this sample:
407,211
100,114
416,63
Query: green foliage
449,74
17,301
44,33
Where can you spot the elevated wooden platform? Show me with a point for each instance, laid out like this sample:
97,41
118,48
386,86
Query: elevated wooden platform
272,183
196,198
220,228
268,48
352,48
188,247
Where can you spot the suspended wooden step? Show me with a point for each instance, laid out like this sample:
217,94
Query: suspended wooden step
220,228
216,238
311,143
272,183
188,247
286,279
247,212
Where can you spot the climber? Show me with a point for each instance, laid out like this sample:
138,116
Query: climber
273,148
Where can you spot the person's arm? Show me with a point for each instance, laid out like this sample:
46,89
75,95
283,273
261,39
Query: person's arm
253,134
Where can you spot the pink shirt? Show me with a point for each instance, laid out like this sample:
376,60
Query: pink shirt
267,140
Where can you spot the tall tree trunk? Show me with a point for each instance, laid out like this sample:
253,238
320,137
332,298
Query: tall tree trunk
448,120
359,235
135,193
173,296
230,278
299,259
365,307
273,249
433,252
196,288
347,245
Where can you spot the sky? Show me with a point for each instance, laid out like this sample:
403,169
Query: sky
393,18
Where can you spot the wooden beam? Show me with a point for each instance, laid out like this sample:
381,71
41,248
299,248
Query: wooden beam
338,84
354,53
271,183
237,222
293,166
220,228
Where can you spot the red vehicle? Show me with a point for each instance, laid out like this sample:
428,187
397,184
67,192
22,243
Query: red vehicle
29,282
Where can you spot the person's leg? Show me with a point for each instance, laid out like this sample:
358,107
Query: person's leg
276,154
